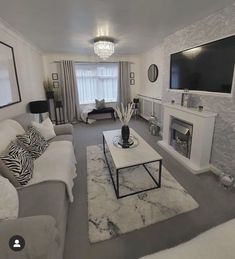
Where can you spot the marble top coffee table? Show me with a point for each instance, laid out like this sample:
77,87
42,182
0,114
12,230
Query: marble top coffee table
140,155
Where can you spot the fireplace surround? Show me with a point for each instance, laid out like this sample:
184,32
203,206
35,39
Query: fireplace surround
201,138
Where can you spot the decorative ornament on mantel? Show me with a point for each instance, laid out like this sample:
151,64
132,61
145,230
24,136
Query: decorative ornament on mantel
104,47
124,114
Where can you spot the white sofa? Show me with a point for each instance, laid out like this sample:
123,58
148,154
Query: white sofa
44,201
216,243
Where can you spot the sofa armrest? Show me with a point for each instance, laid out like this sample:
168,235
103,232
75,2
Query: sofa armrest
63,129
40,235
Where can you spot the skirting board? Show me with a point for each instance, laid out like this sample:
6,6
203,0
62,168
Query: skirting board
216,170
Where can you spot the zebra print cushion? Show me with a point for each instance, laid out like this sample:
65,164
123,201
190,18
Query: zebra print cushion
33,142
20,163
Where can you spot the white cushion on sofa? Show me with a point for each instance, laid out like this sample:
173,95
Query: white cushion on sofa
216,243
57,163
46,128
8,131
9,201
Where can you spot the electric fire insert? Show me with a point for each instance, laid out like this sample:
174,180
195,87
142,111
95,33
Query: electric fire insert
181,136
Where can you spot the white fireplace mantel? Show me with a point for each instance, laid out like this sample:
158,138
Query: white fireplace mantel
203,128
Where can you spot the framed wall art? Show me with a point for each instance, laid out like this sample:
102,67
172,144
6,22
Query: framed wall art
132,75
54,76
9,84
132,82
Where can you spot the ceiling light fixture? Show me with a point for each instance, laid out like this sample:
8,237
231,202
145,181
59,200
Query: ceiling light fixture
104,47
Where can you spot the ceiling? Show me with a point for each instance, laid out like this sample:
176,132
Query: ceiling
69,25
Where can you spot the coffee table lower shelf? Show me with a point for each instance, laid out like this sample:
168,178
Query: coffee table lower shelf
116,186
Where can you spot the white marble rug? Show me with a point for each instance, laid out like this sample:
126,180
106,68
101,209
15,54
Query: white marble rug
110,217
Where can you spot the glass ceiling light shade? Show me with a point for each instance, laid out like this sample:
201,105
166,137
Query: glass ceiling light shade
104,47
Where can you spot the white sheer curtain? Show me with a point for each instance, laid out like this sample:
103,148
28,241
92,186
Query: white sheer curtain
97,81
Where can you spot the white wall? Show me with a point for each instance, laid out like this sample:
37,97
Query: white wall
153,56
29,70
51,67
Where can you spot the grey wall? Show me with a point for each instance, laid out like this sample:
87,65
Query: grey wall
216,26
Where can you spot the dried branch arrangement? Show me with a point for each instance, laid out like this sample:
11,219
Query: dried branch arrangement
124,113
48,85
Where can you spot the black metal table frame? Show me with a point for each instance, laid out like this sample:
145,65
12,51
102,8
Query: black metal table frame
116,187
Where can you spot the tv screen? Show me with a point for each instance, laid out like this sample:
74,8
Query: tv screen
208,67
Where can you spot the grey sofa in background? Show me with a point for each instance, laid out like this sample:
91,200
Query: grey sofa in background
43,210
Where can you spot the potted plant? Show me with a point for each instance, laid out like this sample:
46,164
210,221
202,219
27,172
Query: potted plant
124,115
49,89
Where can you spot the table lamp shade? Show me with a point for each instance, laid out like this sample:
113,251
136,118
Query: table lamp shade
38,106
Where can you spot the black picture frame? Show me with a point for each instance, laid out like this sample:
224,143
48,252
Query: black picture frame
132,74
132,82
54,76
13,67
55,84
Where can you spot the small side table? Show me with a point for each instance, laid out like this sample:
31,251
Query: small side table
51,105
59,113
136,107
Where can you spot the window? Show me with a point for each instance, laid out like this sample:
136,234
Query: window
97,81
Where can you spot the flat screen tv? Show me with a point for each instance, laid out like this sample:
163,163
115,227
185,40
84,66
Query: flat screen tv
209,67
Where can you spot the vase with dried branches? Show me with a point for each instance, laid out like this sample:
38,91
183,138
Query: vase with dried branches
49,88
124,114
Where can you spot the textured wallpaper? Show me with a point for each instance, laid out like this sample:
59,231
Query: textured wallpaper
216,26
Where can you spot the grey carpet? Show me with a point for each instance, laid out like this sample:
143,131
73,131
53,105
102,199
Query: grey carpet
216,205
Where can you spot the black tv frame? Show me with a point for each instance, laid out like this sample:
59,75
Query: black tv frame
201,91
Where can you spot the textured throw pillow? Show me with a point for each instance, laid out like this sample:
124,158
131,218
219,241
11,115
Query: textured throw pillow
9,201
6,172
33,142
99,104
46,128
19,161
